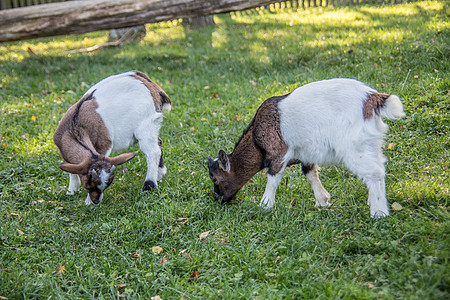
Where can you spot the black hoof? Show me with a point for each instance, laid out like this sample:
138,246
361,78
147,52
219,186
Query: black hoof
148,186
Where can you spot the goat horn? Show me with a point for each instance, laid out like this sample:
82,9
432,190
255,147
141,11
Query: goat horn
94,174
113,168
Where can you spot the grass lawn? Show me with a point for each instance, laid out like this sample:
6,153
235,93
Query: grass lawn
139,245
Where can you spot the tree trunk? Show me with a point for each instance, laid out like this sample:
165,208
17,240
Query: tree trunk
199,22
86,16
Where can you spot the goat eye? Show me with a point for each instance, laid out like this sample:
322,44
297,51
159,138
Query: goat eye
214,180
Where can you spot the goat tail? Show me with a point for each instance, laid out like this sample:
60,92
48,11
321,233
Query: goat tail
166,107
392,108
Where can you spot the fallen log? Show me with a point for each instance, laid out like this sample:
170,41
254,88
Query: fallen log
85,16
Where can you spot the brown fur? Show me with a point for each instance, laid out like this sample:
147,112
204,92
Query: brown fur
158,95
373,104
260,146
81,132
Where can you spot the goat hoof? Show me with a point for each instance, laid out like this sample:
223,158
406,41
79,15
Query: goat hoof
148,186
380,214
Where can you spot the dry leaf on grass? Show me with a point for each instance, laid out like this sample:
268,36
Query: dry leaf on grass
391,146
163,261
204,235
157,297
157,250
396,206
136,255
61,268
195,275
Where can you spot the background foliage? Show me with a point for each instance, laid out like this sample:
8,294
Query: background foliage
176,242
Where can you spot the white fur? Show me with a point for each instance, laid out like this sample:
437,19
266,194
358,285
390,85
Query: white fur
74,184
127,109
322,123
104,180
321,195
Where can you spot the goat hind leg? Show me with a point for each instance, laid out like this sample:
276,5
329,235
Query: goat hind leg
152,155
162,170
378,203
371,170
320,193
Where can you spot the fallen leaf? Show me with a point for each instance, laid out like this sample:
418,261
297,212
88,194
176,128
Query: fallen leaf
391,146
136,255
123,295
157,250
120,285
396,206
33,118
3,298
204,235
157,297
61,268
370,285
30,51
195,275
20,231
184,298
183,221
163,261
238,117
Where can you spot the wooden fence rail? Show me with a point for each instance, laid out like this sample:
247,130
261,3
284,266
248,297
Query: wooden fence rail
6,4
74,17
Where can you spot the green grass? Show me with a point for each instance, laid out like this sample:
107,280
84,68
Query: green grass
216,78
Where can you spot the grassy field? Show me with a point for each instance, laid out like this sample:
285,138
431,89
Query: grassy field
176,242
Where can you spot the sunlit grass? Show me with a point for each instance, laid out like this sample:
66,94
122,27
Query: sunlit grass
216,78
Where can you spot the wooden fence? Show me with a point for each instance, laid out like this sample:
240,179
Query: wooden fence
5,4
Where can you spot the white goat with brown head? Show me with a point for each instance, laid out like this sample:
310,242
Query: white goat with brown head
115,113
336,121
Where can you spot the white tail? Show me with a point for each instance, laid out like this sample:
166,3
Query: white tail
393,108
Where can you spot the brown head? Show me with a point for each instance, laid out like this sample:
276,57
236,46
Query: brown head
226,183
97,173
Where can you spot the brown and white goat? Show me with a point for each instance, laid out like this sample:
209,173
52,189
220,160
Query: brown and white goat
115,113
336,121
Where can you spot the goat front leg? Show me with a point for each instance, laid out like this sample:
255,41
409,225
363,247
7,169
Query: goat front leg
74,184
320,193
268,199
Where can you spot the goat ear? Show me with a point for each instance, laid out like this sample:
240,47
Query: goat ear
224,162
75,169
121,159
